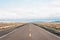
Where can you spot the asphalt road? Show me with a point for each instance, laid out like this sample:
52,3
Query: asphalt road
29,32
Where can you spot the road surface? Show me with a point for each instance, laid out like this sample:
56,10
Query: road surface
29,32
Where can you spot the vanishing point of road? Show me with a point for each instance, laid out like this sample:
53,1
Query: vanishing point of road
29,32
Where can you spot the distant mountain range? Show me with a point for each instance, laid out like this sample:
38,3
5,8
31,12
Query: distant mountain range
29,20
56,21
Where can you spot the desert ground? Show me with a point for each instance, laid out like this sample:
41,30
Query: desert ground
6,26
50,24
53,27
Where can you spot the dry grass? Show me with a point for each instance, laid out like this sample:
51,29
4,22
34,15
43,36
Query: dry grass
52,25
6,26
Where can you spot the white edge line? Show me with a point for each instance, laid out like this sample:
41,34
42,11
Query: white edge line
51,33
7,34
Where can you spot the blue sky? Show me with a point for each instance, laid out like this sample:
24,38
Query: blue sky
9,3
29,9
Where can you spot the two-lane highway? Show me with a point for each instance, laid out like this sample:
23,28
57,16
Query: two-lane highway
30,32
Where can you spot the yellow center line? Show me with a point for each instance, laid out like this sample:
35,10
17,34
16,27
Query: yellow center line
30,35
30,32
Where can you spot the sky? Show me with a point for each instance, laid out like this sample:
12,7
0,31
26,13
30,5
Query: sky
29,9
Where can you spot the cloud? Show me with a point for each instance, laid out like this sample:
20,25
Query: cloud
26,13
35,10
55,8
7,15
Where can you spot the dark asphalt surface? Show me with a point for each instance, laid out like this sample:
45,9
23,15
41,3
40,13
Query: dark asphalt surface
30,32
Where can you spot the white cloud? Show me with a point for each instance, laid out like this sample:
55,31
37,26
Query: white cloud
7,15
27,13
38,11
55,8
